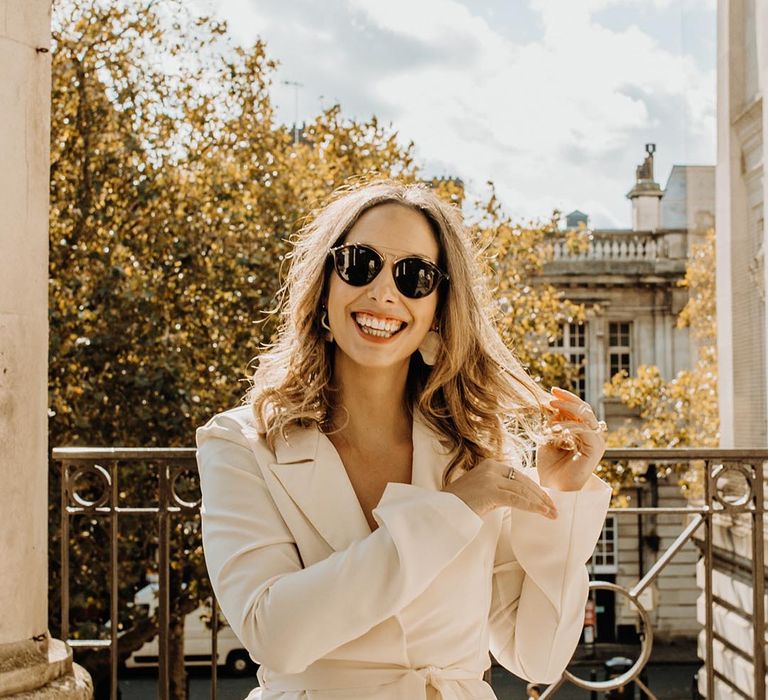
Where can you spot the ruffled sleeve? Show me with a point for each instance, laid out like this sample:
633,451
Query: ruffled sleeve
540,581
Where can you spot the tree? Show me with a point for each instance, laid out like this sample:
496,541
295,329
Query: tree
683,411
531,311
174,194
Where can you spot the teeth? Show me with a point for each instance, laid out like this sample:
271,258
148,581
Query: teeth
378,334
378,326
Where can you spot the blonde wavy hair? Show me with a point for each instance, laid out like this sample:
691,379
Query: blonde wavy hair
477,395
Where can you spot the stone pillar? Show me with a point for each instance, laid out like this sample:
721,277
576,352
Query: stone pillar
646,195
32,665
741,236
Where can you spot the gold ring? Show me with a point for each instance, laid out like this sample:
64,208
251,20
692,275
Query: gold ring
511,474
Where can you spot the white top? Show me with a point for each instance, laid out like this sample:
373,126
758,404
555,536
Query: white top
332,610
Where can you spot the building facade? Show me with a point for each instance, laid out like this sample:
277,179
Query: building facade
628,279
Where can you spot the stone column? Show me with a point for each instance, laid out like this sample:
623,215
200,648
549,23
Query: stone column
741,197
32,665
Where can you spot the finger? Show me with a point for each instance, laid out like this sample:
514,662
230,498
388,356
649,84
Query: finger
527,489
524,482
502,467
522,503
583,411
565,391
575,404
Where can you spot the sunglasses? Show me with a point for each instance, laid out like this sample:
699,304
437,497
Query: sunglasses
358,264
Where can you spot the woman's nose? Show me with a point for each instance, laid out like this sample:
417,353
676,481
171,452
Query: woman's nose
382,287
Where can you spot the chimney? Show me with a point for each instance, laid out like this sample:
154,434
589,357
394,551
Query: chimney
575,219
646,195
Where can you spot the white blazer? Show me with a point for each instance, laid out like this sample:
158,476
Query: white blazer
332,610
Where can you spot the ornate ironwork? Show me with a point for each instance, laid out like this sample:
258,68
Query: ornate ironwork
102,467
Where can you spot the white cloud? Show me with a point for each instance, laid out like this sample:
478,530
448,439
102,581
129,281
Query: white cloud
559,120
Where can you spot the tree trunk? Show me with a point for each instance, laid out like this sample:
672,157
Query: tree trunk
177,674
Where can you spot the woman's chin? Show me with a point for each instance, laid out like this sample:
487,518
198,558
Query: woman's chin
380,357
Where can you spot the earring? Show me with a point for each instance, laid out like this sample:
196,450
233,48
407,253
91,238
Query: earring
324,324
429,347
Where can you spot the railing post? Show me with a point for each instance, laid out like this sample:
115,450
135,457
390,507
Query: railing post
163,576
758,581
708,560
64,532
113,588
214,646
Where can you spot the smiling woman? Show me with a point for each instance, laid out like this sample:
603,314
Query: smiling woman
373,525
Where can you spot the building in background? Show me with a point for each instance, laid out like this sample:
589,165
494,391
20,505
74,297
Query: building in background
630,278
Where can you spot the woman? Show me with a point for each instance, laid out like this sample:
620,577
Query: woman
371,525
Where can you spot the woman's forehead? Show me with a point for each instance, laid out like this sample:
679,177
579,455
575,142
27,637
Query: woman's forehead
395,229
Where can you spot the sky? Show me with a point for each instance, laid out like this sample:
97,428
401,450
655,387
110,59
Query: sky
552,100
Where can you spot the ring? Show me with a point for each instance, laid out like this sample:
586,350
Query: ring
511,474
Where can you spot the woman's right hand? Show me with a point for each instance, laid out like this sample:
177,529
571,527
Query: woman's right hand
487,486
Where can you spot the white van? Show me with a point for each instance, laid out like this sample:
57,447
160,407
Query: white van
197,640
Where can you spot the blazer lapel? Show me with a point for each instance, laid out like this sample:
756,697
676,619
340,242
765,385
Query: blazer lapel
430,456
310,470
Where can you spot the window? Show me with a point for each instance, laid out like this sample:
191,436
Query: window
619,347
573,344
604,559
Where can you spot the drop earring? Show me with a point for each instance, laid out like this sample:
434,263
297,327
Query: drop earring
430,346
324,323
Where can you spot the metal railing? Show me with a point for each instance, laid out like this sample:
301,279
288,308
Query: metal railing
106,467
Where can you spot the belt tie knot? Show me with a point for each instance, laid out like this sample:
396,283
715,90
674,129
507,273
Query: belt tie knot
432,674
442,679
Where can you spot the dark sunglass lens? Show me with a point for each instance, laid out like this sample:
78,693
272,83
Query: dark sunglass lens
415,278
357,265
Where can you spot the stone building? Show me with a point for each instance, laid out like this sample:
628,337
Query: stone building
630,276
742,235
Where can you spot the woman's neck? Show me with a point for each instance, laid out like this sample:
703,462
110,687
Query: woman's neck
374,399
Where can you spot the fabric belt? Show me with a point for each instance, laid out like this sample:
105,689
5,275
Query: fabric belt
344,676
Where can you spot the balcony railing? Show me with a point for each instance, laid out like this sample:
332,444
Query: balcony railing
104,470
615,246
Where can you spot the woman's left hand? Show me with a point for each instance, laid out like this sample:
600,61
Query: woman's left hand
567,469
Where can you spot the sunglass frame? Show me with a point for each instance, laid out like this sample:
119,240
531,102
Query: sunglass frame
439,279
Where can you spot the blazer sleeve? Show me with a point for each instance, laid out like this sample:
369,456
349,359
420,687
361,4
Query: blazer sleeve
540,581
287,616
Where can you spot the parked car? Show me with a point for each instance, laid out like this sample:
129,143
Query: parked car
197,641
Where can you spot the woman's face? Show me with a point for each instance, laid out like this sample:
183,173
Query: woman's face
395,231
